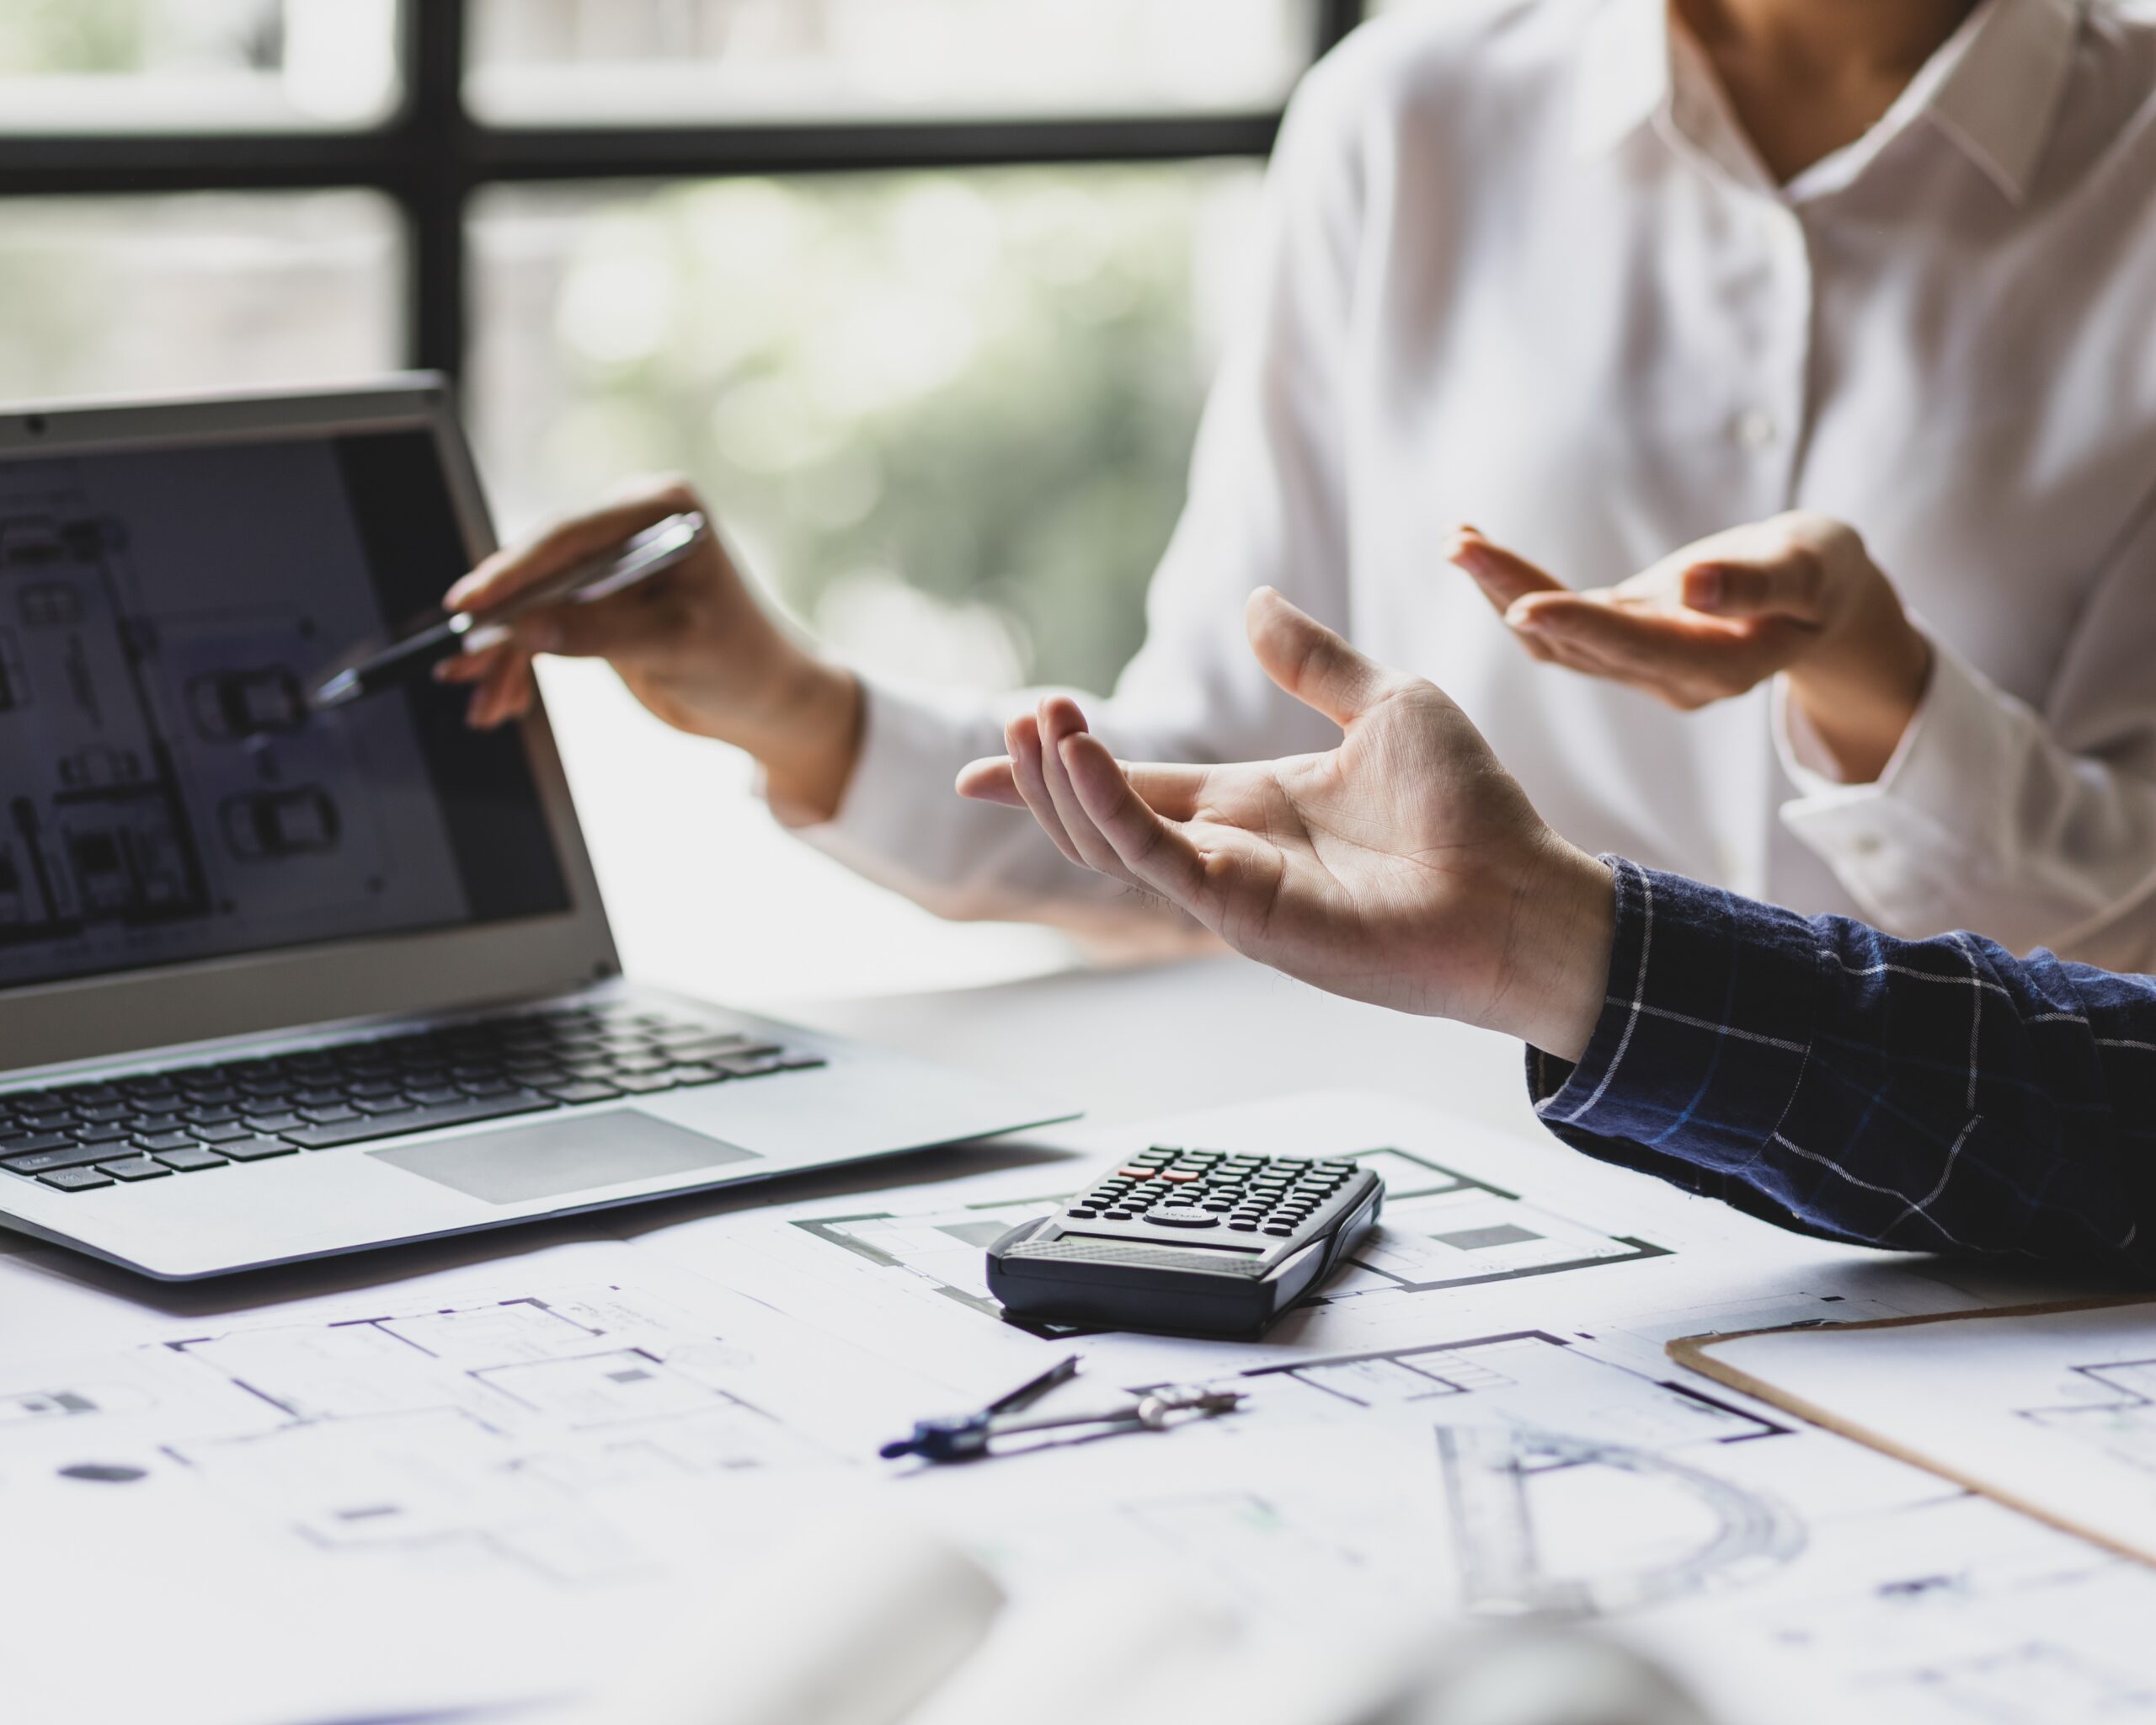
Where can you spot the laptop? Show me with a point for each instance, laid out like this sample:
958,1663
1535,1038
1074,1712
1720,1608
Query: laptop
276,984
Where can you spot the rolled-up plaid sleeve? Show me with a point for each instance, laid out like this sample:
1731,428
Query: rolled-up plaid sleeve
1934,1095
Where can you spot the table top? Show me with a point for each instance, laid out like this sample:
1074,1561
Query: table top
1130,1044
581,1423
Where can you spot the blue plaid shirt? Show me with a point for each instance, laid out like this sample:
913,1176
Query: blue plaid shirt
1934,1095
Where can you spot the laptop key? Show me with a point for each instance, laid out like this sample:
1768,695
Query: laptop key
644,1083
75,1179
589,1090
460,1113
380,1105
331,1116
274,1123
168,1140
24,1148
74,1155
191,1162
135,1167
255,1149
96,1134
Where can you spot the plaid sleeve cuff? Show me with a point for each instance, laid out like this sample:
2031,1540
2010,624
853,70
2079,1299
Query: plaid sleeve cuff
1704,1039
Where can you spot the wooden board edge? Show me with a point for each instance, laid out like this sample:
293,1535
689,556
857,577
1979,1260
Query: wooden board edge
1694,1353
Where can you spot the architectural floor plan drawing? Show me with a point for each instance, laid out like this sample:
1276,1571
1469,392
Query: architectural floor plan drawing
96,829
1442,1229
482,1430
2045,1409
165,790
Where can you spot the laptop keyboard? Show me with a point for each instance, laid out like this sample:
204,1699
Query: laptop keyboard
79,1137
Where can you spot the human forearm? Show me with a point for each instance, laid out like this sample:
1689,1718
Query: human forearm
1937,1095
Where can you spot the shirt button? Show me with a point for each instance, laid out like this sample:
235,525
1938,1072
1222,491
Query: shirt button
1755,428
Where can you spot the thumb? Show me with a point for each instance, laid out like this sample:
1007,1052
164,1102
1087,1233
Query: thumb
1309,661
1790,584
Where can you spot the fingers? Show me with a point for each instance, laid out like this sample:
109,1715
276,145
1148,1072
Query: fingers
1687,663
1155,852
1059,722
1172,791
992,779
1022,738
507,686
1504,578
1790,585
508,571
1312,663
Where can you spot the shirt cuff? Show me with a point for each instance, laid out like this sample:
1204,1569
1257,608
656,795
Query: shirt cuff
1703,1036
1892,841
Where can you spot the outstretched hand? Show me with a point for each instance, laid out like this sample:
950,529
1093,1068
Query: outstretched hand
1405,868
1795,596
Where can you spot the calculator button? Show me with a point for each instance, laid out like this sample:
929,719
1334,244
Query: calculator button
1242,1226
1116,1215
1174,1215
1337,1167
1282,1229
1081,1213
1134,1171
1179,1176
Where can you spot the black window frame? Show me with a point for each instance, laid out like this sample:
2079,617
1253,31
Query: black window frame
432,157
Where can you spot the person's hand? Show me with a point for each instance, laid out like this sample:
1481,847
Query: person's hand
1405,868
694,644
1797,595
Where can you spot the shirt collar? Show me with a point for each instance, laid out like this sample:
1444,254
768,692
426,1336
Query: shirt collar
2001,98
1994,88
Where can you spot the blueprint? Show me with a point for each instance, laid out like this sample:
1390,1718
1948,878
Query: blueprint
165,791
521,1469
2052,1411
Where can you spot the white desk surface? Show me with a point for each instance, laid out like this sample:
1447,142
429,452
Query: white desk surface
1197,1033
1786,1574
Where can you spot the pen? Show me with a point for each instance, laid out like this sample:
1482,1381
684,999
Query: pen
650,552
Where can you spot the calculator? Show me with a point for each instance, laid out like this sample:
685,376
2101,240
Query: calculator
1190,1241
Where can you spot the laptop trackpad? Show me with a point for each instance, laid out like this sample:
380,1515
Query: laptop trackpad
518,1164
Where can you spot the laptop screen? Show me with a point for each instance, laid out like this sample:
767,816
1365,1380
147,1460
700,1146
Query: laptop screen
166,795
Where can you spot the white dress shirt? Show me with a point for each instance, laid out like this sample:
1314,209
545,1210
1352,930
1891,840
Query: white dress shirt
1523,269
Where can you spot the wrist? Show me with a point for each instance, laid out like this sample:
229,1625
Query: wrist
1860,698
810,737
1558,962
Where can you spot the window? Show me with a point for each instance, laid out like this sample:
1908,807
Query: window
790,59
925,293
191,66
200,290
946,415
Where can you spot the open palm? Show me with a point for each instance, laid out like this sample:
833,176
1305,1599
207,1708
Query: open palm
1405,868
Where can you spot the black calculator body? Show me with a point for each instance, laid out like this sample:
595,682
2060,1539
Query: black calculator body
1189,1242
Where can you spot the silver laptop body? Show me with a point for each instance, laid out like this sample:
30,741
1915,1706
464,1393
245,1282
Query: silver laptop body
275,984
